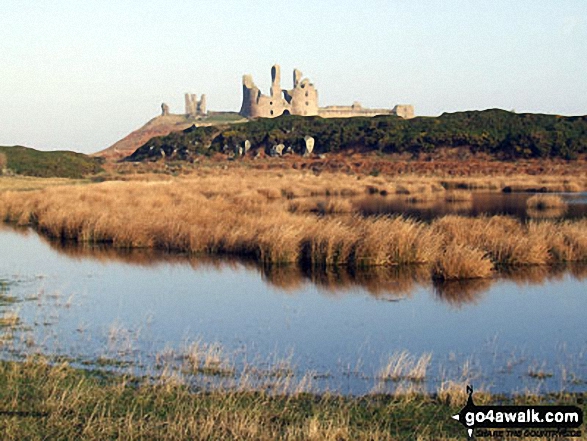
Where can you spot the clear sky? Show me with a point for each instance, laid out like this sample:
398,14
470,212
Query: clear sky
81,74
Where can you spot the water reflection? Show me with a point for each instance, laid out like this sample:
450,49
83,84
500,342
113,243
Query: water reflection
384,283
510,204
96,303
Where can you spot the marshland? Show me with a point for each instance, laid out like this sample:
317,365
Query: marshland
238,286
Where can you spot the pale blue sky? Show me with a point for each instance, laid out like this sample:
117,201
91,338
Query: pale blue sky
81,74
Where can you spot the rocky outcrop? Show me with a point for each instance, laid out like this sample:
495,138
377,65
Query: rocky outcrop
309,145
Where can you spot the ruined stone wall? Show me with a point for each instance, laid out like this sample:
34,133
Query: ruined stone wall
301,100
404,111
195,107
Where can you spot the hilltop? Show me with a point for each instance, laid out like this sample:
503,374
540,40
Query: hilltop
161,126
500,134
61,164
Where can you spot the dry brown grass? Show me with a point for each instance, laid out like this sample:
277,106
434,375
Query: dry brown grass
335,205
41,400
405,366
259,215
24,183
460,261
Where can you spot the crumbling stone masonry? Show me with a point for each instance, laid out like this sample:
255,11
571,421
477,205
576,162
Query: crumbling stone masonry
193,107
302,100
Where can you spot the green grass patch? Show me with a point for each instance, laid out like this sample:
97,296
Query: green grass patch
39,401
63,164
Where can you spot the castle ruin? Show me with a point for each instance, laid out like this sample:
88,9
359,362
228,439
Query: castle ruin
302,100
193,107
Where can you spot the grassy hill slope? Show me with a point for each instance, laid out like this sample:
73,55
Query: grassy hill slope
64,164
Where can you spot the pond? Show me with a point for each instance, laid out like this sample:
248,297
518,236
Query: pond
477,204
140,311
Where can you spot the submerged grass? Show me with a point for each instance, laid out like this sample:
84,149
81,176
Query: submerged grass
404,366
275,221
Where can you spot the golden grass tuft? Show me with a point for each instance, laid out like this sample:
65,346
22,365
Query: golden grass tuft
462,262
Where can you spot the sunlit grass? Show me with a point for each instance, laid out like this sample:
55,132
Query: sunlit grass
277,219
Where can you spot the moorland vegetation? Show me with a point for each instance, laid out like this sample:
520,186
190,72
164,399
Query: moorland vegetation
501,134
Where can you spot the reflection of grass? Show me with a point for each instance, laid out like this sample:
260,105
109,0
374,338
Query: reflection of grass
539,374
545,202
547,213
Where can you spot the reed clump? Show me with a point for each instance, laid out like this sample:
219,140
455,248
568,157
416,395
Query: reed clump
459,261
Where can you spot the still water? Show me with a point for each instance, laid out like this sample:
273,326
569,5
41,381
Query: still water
480,204
523,331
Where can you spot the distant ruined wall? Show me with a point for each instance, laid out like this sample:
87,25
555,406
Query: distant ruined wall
403,110
302,100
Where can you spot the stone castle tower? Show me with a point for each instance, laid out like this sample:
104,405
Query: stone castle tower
193,107
301,100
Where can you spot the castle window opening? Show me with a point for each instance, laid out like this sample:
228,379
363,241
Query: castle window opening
272,112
